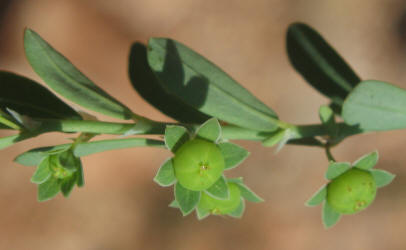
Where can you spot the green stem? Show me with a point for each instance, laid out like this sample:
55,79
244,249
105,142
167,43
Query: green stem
330,156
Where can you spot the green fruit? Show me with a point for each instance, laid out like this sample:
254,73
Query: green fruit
216,206
198,164
352,191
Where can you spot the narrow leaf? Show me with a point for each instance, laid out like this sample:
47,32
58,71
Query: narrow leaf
248,194
210,130
148,86
367,161
329,216
48,189
34,156
186,199
239,211
336,169
42,173
201,213
166,174
238,180
88,148
63,77
31,99
274,139
233,154
202,85
318,197
319,63
219,190
175,136
12,139
80,181
376,106
382,177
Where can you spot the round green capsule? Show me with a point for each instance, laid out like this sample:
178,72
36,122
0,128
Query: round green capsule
352,191
216,206
198,164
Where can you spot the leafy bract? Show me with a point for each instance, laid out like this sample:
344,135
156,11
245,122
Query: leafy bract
248,194
210,130
48,189
186,199
319,63
88,148
329,216
202,85
335,169
382,177
148,86
31,99
318,197
42,173
65,79
175,136
375,106
219,190
166,174
367,161
233,154
34,156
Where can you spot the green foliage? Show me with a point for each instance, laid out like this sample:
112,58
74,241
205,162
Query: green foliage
376,106
209,109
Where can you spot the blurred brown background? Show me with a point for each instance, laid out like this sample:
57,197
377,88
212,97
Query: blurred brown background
122,208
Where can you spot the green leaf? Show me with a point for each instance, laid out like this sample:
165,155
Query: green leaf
65,79
175,136
31,99
88,148
67,185
248,194
34,156
319,63
367,161
238,180
317,197
80,181
166,174
42,173
239,211
376,106
148,86
48,189
233,154
174,204
219,190
382,177
12,139
68,160
335,169
201,213
202,85
186,199
210,130
329,216
327,118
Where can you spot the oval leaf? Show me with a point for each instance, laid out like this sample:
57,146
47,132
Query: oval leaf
329,216
202,85
88,148
175,136
63,77
210,130
219,190
147,85
336,169
233,154
367,161
186,199
166,174
48,189
319,63
34,156
382,177
376,106
42,173
248,194
67,185
318,197
31,99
